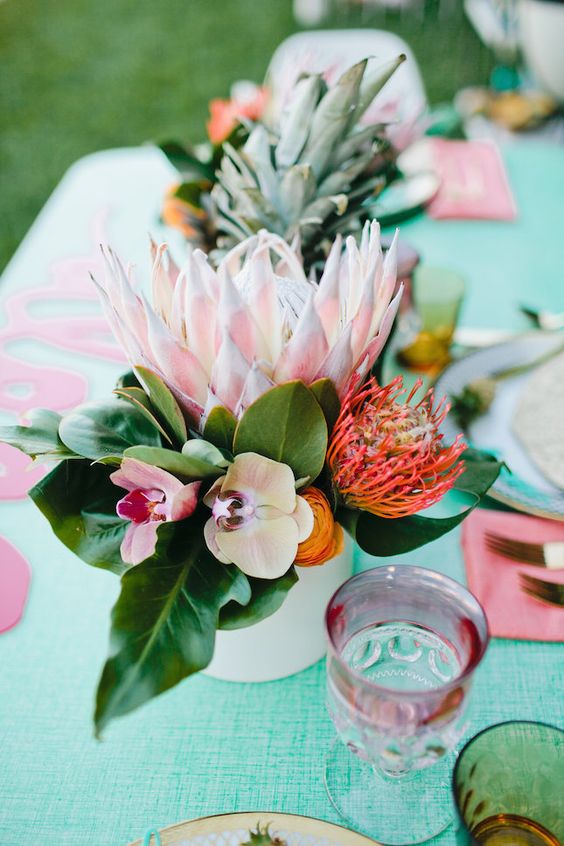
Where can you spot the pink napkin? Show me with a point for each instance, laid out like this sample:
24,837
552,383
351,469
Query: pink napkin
494,580
14,584
473,182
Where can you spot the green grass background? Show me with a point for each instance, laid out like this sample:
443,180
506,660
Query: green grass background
84,75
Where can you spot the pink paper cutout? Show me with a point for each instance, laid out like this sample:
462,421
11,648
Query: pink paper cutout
17,473
69,280
24,385
15,576
49,387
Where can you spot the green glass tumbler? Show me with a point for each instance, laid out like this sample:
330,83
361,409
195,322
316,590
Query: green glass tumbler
508,786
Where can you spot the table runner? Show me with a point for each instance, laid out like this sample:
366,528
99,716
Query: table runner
208,746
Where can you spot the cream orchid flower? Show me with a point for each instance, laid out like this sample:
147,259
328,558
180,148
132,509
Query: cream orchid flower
257,519
225,337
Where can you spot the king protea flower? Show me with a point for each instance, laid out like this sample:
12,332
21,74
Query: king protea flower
387,456
225,337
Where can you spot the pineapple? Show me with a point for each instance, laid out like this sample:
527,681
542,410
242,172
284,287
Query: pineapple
305,180
263,837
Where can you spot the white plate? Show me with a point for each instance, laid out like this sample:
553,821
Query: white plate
233,829
525,488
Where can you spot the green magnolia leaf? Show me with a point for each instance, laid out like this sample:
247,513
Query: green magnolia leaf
138,398
40,438
128,380
287,425
186,162
220,428
79,501
164,403
267,595
106,428
204,451
164,622
380,536
184,467
326,395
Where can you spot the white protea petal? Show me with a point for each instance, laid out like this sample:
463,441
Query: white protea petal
262,297
338,363
306,349
207,274
385,285
200,314
362,320
229,373
179,365
355,276
256,384
327,295
236,319
376,345
162,284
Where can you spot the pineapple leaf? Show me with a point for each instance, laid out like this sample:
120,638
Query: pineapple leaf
374,82
296,124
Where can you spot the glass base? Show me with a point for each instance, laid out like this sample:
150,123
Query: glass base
395,811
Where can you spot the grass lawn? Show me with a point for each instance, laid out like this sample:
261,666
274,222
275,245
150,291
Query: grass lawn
79,76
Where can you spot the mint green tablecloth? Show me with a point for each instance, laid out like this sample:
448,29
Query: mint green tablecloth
209,746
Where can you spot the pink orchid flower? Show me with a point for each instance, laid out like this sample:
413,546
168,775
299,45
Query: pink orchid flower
257,519
154,496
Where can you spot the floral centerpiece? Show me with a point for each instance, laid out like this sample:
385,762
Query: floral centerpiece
247,436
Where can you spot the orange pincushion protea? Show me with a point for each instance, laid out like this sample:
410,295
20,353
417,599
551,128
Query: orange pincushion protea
387,456
326,539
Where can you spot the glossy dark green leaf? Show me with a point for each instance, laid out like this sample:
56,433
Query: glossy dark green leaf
186,162
380,536
128,380
40,438
164,403
203,450
220,428
164,622
184,467
326,395
79,501
267,597
106,428
138,398
287,425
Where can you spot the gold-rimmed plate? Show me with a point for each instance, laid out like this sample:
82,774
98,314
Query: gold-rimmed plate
233,829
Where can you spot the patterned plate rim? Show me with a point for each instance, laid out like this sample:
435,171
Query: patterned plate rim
495,493
298,823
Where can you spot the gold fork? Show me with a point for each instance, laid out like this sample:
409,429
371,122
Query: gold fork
549,555
548,592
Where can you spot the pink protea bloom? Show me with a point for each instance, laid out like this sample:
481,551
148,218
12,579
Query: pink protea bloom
225,337
257,519
387,456
154,496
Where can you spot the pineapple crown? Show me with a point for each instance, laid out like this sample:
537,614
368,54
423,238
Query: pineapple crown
306,179
263,837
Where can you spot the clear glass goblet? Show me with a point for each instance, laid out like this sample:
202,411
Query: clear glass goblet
403,646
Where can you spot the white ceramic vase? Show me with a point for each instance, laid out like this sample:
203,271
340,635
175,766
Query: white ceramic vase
541,24
290,640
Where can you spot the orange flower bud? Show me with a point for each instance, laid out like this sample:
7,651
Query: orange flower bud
326,539
179,214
